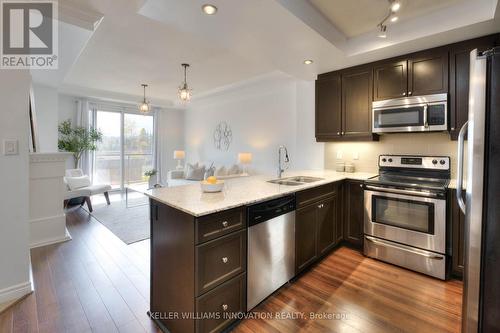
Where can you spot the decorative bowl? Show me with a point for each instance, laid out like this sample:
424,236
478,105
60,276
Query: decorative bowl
211,188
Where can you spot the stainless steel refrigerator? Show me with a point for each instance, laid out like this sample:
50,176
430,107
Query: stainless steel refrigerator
481,298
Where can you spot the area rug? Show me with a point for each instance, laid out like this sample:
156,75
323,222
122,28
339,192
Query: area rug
129,224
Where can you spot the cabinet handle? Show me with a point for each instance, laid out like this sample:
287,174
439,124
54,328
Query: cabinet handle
342,133
404,94
225,260
409,92
453,128
321,206
224,224
224,307
338,133
361,185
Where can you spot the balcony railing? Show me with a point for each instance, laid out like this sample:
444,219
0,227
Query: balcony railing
108,166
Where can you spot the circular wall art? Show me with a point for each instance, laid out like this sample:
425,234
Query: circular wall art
222,136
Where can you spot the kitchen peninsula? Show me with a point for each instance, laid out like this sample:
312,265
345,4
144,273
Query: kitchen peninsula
199,242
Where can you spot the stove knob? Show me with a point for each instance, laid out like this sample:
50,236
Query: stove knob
390,160
442,162
434,162
384,160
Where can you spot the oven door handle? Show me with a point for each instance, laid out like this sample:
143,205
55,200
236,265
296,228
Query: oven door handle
405,248
399,191
426,122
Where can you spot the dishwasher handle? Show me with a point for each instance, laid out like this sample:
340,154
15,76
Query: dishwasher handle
265,211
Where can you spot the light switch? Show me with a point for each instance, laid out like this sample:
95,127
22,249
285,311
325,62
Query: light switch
10,147
339,154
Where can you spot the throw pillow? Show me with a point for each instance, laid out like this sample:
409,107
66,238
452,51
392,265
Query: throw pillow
220,171
234,170
77,182
195,172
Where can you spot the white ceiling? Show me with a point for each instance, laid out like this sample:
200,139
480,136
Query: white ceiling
356,17
147,40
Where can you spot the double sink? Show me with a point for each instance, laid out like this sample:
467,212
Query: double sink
295,181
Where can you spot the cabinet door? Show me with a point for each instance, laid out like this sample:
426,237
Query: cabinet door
305,237
328,108
357,102
354,213
428,73
327,220
459,80
457,226
390,80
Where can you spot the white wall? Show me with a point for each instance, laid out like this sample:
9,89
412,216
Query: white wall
14,174
263,114
171,135
66,108
46,108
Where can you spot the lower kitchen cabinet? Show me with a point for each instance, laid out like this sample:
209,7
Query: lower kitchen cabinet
316,224
457,236
354,212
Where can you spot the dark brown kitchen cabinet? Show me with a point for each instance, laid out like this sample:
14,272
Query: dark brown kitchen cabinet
428,72
459,80
457,238
357,87
353,212
328,107
198,265
316,224
390,80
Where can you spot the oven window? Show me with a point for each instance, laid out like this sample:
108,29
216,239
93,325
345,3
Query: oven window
411,116
406,214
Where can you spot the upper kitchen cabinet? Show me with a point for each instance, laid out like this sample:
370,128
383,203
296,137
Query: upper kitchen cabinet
390,80
428,72
328,107
357,99
459,80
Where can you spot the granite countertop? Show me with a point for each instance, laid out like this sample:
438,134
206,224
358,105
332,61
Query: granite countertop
242,191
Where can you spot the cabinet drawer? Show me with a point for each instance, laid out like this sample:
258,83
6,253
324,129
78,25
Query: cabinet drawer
220,260
312,195
224,303
215,225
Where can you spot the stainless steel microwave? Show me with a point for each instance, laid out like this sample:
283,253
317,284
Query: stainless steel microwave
411,114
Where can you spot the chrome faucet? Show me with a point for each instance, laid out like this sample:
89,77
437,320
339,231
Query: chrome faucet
282,166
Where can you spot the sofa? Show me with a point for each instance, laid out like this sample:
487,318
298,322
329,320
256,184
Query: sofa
185,176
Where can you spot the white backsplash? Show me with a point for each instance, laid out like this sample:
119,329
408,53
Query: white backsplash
415,143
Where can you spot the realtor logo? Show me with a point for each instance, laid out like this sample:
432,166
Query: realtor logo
29,34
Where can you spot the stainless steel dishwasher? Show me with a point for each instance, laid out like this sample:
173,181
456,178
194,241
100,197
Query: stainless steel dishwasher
271,248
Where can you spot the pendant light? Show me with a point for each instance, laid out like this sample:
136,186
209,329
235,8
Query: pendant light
145,106
184,91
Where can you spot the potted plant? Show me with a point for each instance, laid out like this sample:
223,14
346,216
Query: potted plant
77,140
151,174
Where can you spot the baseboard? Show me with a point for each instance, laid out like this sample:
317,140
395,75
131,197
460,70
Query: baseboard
13,293
66,237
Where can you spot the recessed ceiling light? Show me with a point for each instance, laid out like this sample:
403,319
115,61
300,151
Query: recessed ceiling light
395,6
209,9
308,61
394,19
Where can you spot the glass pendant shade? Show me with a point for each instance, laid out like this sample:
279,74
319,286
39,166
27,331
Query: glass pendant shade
184,92
144,106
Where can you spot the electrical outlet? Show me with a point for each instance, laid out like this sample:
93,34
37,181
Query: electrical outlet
339,154
10,147
355,155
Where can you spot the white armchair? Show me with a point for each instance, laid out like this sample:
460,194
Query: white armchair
78,186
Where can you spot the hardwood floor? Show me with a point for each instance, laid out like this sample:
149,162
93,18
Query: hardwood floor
96,283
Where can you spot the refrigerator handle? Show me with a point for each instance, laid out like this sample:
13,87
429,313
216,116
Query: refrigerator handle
460,166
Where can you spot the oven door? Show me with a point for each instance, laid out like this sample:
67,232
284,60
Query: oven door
407,219
410,118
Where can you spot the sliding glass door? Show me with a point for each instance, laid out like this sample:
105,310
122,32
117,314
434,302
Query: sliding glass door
127,148
138,147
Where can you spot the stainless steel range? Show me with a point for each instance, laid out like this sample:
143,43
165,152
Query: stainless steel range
405,213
